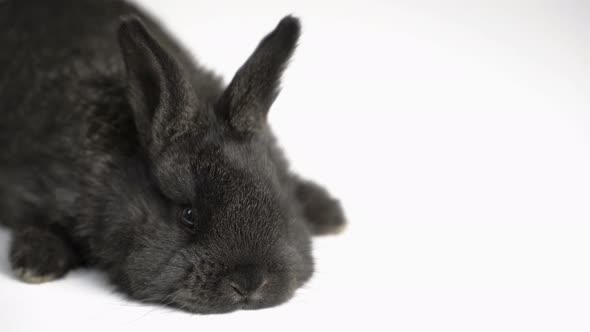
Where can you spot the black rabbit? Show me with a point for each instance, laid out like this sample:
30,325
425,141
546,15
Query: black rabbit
120,152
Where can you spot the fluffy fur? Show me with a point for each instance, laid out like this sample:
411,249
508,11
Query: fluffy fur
110,131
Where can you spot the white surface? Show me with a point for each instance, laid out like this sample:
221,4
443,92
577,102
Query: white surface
457,137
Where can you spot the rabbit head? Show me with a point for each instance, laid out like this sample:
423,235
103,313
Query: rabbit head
209,225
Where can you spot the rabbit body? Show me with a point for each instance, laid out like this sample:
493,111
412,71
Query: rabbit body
120,152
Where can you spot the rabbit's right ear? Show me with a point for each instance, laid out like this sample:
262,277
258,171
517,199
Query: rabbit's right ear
163,101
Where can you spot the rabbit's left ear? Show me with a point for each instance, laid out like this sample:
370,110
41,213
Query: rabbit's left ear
249,96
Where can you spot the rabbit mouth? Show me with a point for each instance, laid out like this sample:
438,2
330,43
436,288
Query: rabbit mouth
223,304
245,304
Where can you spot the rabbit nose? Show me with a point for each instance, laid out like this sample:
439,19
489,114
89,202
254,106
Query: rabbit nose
246,281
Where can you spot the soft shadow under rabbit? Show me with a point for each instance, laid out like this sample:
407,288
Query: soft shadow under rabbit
120,152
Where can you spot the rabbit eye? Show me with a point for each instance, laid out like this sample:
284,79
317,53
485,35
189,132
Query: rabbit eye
188,217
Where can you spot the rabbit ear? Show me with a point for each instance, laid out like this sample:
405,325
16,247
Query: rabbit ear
161,97
255,86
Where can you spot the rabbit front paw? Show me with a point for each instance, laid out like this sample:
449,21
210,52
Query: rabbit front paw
37,255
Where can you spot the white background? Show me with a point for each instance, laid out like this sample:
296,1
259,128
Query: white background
457,135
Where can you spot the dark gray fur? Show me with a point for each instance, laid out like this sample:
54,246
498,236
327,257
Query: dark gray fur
109,129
